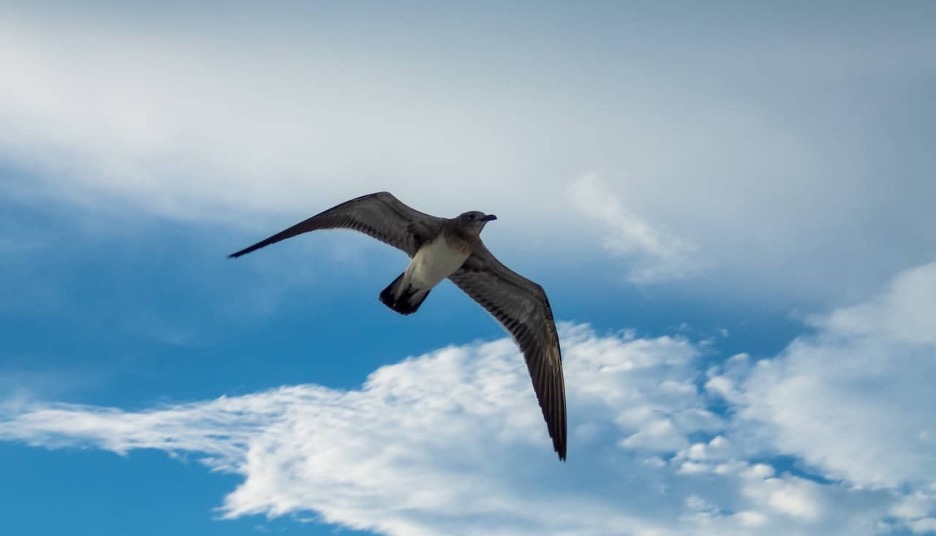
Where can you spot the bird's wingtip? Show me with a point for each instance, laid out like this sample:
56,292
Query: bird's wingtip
245,251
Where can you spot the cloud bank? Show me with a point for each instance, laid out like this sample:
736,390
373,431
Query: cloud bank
452,441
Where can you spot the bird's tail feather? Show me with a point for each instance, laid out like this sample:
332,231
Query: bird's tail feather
402,300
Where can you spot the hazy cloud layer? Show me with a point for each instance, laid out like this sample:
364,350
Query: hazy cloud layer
452,441
787,161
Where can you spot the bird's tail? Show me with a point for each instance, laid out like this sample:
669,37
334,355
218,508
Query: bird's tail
403,298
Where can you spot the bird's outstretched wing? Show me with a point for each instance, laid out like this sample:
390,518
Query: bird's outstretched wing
521,306
379,215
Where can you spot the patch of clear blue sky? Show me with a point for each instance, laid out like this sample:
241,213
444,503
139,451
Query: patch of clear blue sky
146,493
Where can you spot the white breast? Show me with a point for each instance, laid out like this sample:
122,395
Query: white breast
434,262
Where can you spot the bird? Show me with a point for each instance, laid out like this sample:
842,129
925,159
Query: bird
451,248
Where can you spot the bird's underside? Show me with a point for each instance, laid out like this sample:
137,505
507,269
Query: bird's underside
452,248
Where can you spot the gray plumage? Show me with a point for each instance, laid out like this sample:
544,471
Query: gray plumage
452,248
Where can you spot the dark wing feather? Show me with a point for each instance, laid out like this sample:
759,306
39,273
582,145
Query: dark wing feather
379,215
521,306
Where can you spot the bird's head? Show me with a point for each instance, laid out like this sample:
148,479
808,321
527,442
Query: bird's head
472,222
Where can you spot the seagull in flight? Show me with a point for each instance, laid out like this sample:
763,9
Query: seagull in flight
451,248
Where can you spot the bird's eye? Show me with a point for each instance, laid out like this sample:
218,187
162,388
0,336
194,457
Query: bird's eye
471,216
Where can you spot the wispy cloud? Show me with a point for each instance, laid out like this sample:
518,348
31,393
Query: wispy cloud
654,254
452,441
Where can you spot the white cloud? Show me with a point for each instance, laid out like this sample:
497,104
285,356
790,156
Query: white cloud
452,442
855,398
903,313
657,256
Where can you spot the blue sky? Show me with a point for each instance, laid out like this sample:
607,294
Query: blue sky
730,208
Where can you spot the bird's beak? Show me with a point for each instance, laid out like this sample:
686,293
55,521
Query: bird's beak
489,217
